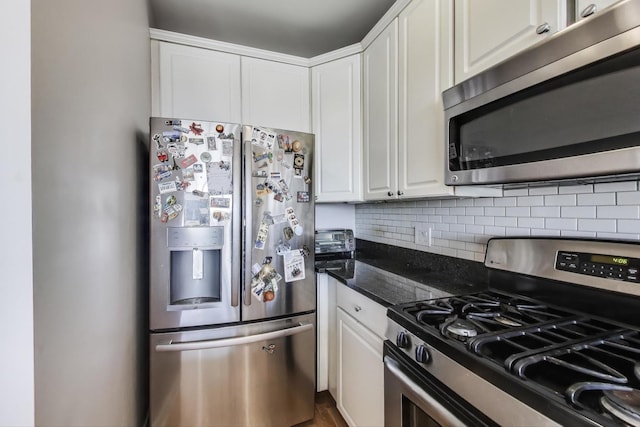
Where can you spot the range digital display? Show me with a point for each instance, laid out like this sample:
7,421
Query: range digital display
613,260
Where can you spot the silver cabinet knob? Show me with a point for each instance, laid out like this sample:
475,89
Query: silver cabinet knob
390,194
589,10
400,193
543,28
357,308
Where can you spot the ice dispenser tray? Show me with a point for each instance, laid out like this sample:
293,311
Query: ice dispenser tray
195,264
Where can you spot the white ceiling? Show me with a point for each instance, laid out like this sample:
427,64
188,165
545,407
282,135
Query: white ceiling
303,28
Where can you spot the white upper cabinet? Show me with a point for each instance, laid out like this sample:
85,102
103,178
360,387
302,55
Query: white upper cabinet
380,62
425,70
337,125
587,8
489,31
196,83
275,94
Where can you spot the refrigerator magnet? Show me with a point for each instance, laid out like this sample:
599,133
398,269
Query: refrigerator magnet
227,147
259,174
263,138
171,136
293,266
219,128
303,197
211,143
188,161
307,180
188,174
263,233
287,232
172,212
196,141
162,155
220,202
284,143
294,223
205,157
296,146
179,128
219,179
167,187
156,138
261,190
197,168
282,248
196,128
157,206
173,122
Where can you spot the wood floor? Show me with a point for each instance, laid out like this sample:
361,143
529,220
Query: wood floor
326,413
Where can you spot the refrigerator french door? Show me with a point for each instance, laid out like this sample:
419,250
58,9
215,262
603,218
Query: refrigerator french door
279,219
195,223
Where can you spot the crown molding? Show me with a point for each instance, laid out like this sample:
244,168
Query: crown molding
335,54
386,19
169,36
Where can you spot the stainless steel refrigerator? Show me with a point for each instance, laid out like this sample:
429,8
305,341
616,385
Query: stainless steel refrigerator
232,283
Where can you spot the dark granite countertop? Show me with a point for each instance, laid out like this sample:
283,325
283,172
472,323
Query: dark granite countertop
391,275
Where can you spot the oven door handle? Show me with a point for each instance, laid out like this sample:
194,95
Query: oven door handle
419,397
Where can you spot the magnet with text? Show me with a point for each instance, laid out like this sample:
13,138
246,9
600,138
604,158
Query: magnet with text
298,164
263,233
196,128
294,269
263,138
167,187
294,222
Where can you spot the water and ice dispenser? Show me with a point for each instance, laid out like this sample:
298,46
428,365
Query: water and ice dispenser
195,264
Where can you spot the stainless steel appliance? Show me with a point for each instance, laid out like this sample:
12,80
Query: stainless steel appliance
232,289
555,340
335,251
564,109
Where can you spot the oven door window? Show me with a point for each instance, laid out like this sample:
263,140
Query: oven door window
590,110
410,401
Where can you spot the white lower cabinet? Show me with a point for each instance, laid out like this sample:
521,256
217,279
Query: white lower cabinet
360,369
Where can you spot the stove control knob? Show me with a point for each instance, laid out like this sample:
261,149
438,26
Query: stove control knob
402,340
422,354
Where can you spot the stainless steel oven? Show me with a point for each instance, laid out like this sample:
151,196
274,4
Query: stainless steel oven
554,340
565,109
415,399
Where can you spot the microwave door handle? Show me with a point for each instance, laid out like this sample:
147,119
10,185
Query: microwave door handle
423,400
231,342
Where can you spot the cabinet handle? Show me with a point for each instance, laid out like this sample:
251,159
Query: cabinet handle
357,308
589,10
543,28
390,193
400,193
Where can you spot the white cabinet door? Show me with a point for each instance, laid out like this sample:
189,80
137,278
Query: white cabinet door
489,31
586,8
275,94
196,83
337,125
380,62
425,70
360,373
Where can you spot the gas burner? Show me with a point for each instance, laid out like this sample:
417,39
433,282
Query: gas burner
436,308
623,405
460,329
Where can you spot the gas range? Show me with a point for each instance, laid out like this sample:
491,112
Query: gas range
554,340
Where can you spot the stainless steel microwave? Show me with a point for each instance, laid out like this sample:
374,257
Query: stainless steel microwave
567,108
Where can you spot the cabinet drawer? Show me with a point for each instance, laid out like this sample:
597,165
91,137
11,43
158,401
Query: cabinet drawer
364,310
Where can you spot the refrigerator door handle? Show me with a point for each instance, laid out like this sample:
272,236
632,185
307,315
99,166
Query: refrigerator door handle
236,231
230,342
248,219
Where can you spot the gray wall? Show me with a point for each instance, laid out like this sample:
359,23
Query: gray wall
90,110
16,285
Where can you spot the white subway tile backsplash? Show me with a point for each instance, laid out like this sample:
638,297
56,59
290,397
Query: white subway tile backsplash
524,222
531,201
596,199
615,186
562,223
629,198
607,225
578,211
575,189
629,226
626,212
560,200
546,211
462,227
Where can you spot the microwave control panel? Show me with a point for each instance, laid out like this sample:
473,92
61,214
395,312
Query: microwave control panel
605,266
